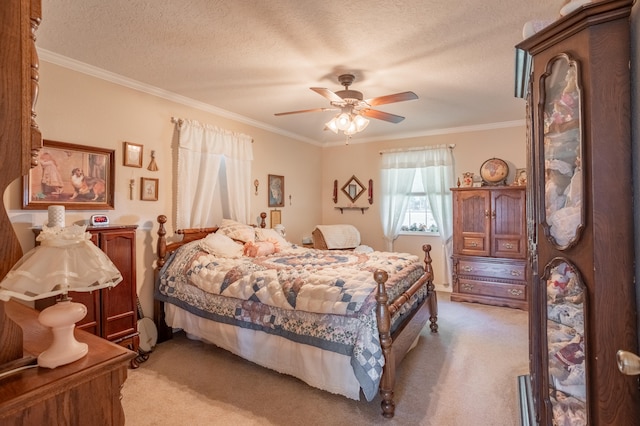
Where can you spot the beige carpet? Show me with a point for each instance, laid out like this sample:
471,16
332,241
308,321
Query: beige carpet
464,375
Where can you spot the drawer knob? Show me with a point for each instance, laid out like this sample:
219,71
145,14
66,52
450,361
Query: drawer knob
509,245
515,292
467,287
467,268
515,273
474,244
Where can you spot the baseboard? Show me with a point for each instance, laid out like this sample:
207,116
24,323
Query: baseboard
525,399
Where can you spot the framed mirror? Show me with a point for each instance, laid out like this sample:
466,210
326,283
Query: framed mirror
353,189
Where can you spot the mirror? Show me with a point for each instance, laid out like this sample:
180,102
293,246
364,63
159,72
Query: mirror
353,189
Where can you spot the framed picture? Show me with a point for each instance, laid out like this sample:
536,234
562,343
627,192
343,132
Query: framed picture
75,176
276,191
275,217
132,154
149,189
521,177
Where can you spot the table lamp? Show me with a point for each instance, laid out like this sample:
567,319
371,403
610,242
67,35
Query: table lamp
66,260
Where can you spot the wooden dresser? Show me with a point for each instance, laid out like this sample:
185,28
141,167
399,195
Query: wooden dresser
85,392
490,246
111,313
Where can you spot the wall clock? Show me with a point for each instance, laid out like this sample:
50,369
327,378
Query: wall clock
494,171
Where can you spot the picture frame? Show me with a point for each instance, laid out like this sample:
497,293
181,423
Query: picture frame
77,177
275,193
275,218
149,189
520,178
132,156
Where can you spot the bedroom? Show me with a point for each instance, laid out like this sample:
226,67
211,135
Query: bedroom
79,108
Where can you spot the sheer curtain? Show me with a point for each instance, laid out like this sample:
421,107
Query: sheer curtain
398,170
214,175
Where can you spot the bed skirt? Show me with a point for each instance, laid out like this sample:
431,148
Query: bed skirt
319,368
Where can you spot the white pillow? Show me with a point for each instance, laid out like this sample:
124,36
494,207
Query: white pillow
265,234
237,231
222,246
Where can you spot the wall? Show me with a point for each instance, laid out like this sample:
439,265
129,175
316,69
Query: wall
77,108
472,148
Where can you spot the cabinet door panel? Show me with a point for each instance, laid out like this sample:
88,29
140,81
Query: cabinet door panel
472,220
119,303
509,224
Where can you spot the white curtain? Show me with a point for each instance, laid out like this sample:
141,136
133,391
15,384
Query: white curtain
398,170
214,176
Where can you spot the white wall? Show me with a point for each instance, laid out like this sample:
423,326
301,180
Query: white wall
472,148
77,108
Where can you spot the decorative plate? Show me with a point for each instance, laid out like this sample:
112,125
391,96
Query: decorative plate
494,171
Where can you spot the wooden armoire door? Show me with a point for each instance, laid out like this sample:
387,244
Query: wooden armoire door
583,304
472,221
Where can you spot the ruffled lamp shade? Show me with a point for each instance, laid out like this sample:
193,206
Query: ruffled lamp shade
66,260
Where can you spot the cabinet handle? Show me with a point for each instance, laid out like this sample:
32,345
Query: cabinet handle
467,268
515,292
515,273
467,287
508,245
474,244
628,363
486,213
493,214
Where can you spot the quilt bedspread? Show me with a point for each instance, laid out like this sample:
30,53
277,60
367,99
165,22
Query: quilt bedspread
315,297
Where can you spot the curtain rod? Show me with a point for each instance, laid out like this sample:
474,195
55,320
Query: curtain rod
180,121
417,148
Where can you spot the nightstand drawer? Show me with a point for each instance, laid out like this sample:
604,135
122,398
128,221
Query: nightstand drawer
502,268
484,288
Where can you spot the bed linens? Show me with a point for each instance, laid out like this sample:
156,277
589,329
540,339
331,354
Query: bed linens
314,297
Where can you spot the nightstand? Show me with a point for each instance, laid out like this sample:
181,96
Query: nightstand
76,393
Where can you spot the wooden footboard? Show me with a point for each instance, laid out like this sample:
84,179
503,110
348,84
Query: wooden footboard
394,345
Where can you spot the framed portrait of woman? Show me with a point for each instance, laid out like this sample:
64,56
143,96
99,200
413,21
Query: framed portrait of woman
276,191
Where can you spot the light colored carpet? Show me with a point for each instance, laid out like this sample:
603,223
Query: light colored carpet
464,375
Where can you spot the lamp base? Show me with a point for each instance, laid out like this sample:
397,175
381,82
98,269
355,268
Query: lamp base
62,318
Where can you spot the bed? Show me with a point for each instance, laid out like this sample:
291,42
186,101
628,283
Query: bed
339,320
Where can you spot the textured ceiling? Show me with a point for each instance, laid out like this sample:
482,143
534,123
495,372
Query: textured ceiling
250,59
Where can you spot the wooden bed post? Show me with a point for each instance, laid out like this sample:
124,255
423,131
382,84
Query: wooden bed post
164,332
384,327
433,299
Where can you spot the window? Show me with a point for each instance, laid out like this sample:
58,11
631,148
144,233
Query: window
418,217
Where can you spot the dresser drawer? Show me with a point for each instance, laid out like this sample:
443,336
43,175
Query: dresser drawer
513,291
493,268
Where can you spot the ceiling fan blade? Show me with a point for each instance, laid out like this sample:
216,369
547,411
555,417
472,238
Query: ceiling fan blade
389,99
392,118
306,110
327,94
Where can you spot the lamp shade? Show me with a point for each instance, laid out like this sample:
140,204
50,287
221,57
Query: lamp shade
66,260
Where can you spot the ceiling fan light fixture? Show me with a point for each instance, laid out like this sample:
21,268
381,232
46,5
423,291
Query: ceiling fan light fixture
331,125
343,121
360,122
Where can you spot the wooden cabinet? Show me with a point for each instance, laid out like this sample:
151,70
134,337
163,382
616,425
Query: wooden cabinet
489,246
20,137
112,312
84,392
581,234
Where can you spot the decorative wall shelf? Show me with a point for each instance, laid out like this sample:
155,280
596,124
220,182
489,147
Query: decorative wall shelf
362,209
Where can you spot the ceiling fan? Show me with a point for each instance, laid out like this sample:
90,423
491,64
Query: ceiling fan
351,103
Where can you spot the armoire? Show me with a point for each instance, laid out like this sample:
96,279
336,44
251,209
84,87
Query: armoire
582,304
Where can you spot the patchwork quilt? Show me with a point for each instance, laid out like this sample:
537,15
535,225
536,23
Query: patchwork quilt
316,297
